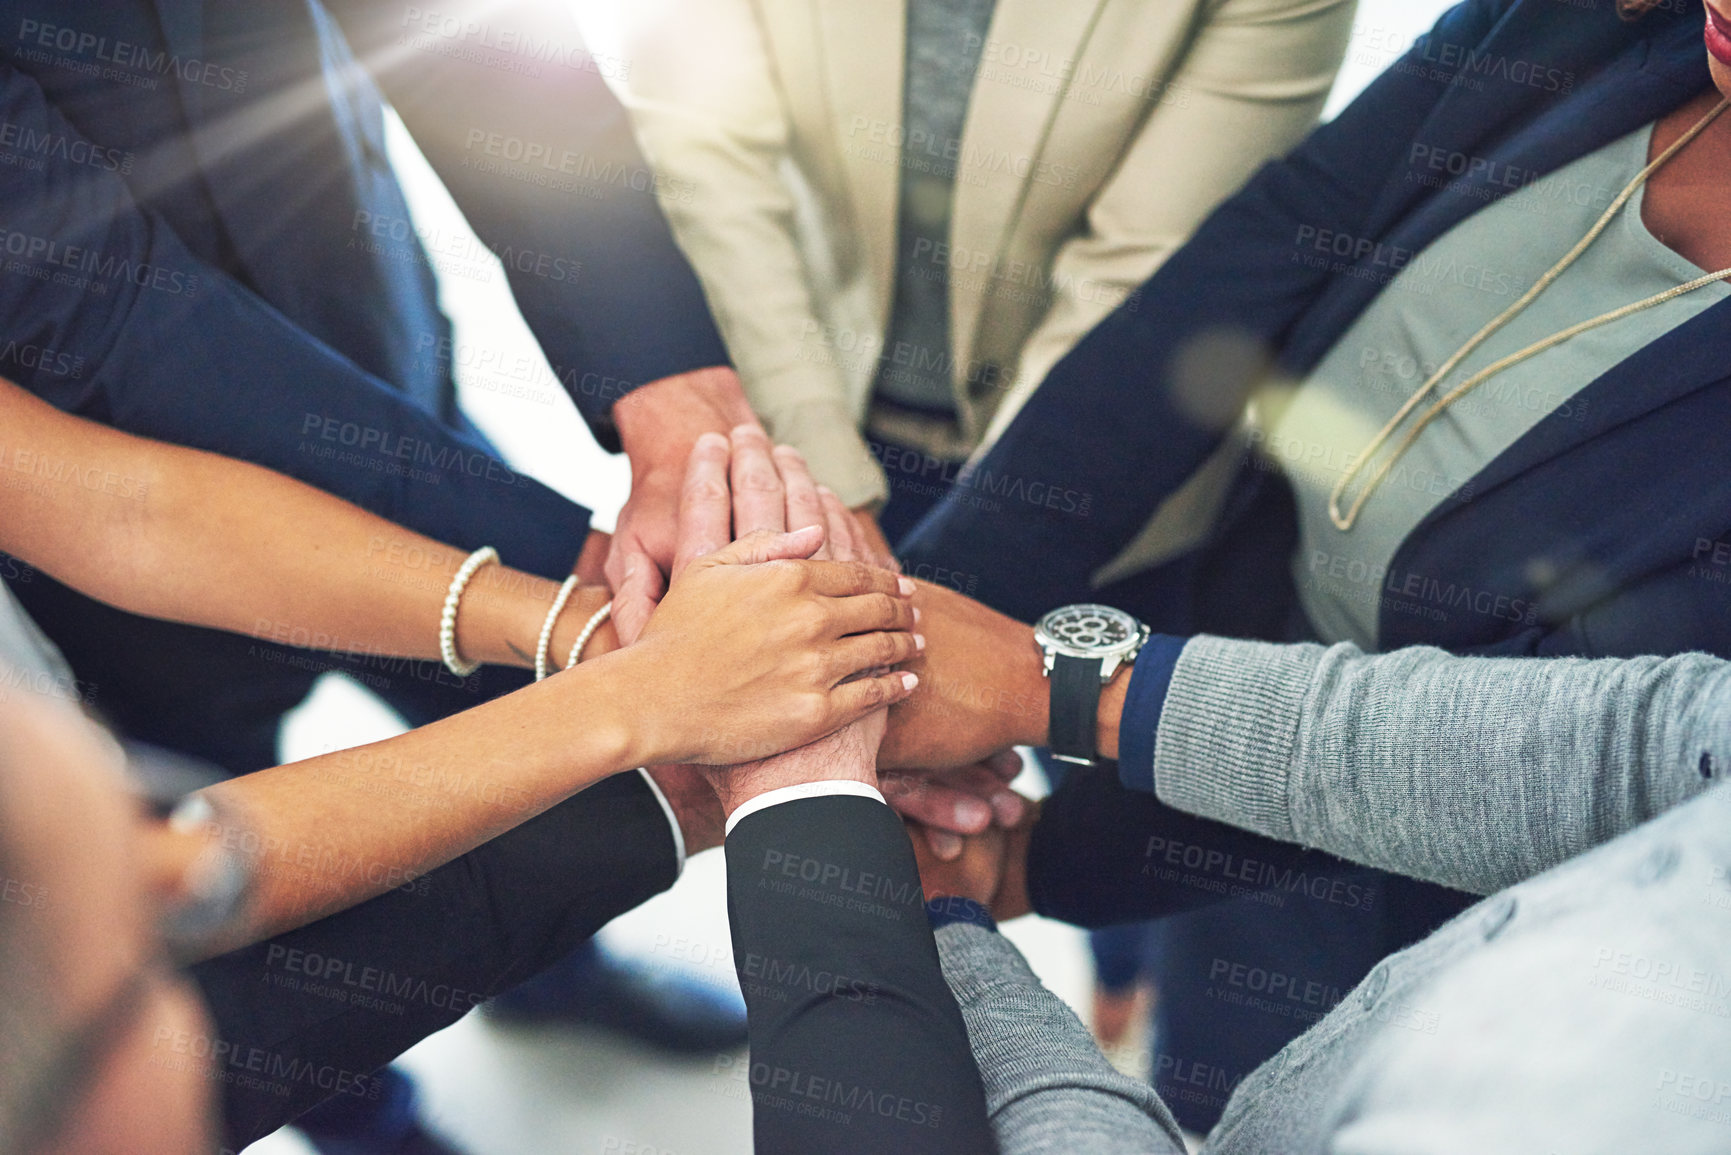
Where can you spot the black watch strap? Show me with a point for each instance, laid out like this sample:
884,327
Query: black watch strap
1075,708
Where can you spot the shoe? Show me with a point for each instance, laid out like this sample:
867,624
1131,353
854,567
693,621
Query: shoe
667,1011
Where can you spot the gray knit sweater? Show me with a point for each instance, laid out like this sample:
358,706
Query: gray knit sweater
1585,1007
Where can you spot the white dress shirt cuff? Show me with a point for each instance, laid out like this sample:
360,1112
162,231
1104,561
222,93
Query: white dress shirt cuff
672,820
803,790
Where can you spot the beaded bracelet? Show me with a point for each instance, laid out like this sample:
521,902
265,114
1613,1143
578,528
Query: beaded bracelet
486,555
546,641
601,615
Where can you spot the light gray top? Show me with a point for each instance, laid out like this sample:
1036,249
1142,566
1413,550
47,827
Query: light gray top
1432,306
945,39
1586,1008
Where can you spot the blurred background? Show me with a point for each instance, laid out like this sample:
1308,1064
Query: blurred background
520,1091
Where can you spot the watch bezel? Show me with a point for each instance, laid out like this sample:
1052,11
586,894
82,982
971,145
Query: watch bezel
1052,645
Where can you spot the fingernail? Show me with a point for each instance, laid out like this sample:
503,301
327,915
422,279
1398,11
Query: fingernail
917,615
945,845
919,642
1007,805
907,586
909,681
972,814
712,438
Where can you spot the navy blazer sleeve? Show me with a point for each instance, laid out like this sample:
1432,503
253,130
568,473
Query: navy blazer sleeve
135,331
857,1045
516,117
1103,854
1141,401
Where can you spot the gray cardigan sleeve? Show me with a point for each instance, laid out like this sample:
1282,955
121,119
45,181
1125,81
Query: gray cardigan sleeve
1471,772
1049,1090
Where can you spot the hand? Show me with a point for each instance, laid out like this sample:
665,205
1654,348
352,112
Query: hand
753,651
950,803
876,545
772,489
991,868
658,425
695,808
981,687
592,559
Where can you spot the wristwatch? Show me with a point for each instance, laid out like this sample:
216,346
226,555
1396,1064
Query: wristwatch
1084,645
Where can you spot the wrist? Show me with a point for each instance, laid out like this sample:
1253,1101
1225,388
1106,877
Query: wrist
500,619
694,806
586,601
734,788
1027,666
659,422
737,804
1111,711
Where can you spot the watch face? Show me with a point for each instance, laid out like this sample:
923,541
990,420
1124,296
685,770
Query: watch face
1089,630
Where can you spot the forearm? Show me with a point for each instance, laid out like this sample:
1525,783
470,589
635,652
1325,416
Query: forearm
1394,760
207,540
843,985
333,831
1047,1085
660,422
247,550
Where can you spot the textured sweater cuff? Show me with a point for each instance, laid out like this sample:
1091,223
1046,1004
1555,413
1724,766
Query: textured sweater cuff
1228,729
975,958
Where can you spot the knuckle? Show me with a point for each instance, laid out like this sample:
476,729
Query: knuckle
890,649
753,479
810,619
705,489
812,711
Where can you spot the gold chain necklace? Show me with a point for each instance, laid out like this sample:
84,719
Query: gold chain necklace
1345,522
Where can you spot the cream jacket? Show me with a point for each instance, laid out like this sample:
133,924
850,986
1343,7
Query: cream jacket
1098,136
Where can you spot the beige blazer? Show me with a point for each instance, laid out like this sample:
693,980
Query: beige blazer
1099,134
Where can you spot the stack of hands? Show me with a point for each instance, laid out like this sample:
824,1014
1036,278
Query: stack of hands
842,687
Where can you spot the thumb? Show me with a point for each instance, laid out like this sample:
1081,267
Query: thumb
767,545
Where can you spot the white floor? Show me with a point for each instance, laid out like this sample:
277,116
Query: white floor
515,1092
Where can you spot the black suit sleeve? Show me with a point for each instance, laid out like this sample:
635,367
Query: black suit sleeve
857,1045
311,1014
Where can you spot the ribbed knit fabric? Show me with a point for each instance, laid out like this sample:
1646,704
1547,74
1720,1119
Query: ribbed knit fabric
1228,730
1475,773
1049,1090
